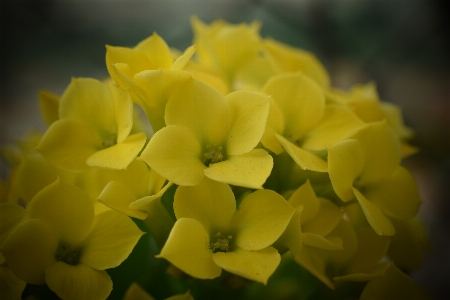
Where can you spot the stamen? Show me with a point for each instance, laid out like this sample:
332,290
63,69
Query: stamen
212,155
109,141
69,256
222,243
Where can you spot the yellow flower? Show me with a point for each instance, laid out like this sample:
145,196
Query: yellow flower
48,103
210,234
150,73
62,243
95,120
301,124
319,217
366,167
226,47
365,102
211,135
131,191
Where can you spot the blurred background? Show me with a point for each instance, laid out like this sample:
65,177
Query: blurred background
402,45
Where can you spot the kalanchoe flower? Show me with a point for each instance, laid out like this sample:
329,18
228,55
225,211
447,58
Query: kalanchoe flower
131,191
150,73
226,47
317,217
365,102
211,135
301,123
211,235
93,128
62,243
366,168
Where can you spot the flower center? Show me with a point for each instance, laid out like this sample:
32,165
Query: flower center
109,140
212,155
222,243
68,255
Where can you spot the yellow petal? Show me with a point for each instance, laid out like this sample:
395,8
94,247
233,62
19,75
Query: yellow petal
66,208
338,123
88,100
48,103
124,77
275,124
249,170
327,218
211,203
159,222
154,88
312,260
144,202
214,42
174,152
119,156
300,99
123,111
249,112
11,287
397,195
188,248
343,234
201,108
394,285
377,271
317,241
186,296
30,249
254,265
289,59
306,197
135,61
408,244
157,51
184,58
261,219
136,292
394,117
305,159
379,222
67,144
292,237
118,197
35,173
345,164
111,240
78,282
382,151
11,215
371,250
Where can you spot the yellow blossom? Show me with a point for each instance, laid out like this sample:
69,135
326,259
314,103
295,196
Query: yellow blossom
211,135
62,243
366,167
211,235
93,128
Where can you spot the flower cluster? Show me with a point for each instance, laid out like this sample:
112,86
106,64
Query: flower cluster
268,163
